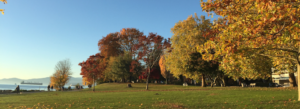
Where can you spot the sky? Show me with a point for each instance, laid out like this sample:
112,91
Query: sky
36,34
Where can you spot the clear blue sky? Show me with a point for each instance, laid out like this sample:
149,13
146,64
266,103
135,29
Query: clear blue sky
36,34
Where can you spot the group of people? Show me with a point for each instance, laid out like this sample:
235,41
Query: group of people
79,87
50,87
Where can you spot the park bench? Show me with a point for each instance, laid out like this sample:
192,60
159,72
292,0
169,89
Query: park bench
252,84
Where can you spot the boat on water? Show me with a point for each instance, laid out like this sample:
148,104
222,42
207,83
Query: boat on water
32,83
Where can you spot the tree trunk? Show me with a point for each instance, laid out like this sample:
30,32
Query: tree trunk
298,77
292,80
148,75
130,78
203,81
123,79
212,84
166,81
94,83
298,73
224,83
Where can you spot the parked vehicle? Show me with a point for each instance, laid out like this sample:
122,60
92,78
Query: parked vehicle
277,85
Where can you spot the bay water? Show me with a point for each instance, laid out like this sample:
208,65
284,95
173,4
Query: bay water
28,87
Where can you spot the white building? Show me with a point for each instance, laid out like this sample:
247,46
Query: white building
282,77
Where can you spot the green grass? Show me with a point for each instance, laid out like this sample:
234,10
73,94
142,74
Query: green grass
118,96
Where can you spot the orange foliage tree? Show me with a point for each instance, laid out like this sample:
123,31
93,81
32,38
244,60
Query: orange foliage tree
109,45
115,44
93,68
86,82
164,72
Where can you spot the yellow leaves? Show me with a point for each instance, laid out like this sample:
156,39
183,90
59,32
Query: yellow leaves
2,11
265,19
4,1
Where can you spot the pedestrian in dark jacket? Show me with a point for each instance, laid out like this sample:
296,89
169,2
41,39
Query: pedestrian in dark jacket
48,87
18,89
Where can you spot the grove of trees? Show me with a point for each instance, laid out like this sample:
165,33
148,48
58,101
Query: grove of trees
234,45
252,30
125,55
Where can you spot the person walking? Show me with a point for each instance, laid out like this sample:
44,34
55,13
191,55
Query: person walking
18,89
48,87
52,88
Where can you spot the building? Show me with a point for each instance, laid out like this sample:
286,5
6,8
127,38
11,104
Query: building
282,77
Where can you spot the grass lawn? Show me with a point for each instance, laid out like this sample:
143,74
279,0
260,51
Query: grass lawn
118,96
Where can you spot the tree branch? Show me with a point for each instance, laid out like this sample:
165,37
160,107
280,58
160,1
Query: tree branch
283,49
292,59
273,37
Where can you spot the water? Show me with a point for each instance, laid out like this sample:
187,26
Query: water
28,87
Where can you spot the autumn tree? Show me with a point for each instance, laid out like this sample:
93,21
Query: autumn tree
257,27
207,69
152,47
62,74
115,44
128,38
283,64
93,68
2,10
108,75
86,82
187,34
109,45
162,65
154,74
120,68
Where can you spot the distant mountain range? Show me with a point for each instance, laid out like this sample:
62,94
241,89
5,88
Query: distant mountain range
45,81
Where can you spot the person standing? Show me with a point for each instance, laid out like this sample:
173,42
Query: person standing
52,88
48,87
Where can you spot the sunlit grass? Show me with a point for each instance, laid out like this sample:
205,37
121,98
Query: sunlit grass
117,95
